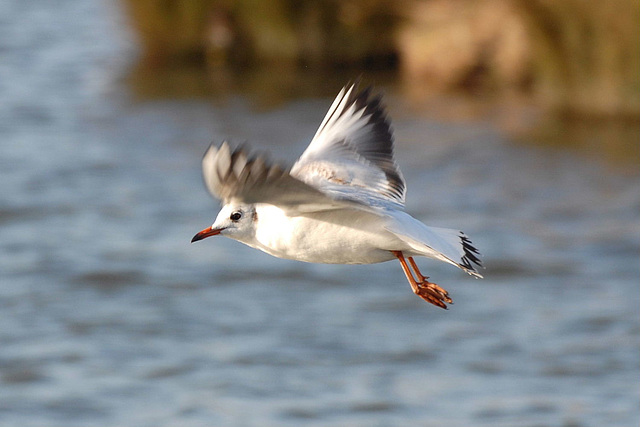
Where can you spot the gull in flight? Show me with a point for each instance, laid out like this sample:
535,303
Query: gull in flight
342,202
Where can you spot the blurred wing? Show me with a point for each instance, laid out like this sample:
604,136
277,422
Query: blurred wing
235,175
351,154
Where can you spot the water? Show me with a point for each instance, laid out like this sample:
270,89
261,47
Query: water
109,316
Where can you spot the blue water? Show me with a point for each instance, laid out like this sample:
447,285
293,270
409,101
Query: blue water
109,316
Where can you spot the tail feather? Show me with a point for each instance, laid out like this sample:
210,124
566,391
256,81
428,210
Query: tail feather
471,255
444,244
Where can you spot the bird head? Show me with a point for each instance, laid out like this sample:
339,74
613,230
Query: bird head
234,220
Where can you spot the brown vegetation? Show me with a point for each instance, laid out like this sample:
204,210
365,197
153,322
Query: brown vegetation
573,56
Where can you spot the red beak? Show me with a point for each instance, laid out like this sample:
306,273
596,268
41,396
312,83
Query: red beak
206,233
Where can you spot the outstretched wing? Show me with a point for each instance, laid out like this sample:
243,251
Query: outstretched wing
351,154
235,175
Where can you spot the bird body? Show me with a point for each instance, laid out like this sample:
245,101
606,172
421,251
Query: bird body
342,236
341,203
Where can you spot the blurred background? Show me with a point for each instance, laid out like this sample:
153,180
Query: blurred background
517,121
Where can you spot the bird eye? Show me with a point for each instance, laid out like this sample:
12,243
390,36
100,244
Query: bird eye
235,216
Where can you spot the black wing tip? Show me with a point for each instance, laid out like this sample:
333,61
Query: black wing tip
382,152
376,111
365,98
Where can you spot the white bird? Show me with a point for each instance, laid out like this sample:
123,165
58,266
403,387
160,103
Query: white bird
342,202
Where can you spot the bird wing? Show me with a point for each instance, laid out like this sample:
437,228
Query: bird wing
236,175
351,154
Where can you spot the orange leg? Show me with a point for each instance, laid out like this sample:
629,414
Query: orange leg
426,290
423,279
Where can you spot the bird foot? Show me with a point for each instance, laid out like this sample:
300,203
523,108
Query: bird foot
433,293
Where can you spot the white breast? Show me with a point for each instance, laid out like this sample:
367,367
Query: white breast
331,237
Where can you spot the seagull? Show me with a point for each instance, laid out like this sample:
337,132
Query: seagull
342,202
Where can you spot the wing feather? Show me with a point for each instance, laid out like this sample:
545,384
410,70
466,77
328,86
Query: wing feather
236,175
352,151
